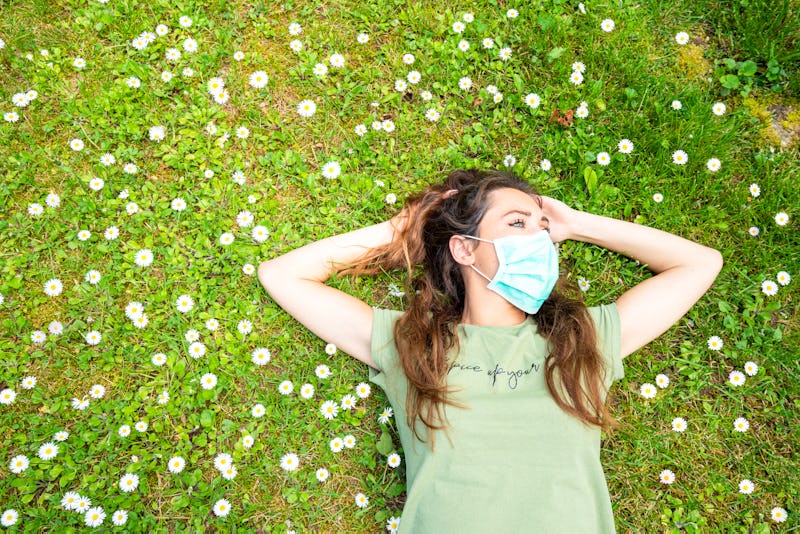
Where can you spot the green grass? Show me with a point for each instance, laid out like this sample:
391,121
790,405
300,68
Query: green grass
632,76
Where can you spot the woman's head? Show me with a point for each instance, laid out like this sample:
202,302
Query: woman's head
485,204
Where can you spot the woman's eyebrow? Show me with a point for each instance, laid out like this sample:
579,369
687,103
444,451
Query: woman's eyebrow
521,212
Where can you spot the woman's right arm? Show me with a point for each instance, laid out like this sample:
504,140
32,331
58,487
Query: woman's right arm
296,281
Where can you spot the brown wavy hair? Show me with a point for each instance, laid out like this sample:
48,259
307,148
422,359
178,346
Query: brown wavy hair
424,335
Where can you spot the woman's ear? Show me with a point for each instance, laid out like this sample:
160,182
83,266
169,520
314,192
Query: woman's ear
461,250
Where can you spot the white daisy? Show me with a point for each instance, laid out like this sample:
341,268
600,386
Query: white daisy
306,108
488,42
363,390
713,164
681,38
248,441
322,371
625,146
93,277
393,460
260,356
666,477
322,474
208,381
783,278
779,514
222,508
769,288
715,343
718,109
286,387
393,524
97,391
360,130
751,368
295,29
9,517
53,287
679,424
349,441
512,13
259,79
296,45
432,115
607,25
504,54
258,411
336,444
348,402
603,159
662,381
336,60
329,409
197,349
19,464
676,105
141,426
223,461
509,160
362,501
362,38
76,145
409,59
124,431
120,517
94,517
746,487
48,451
184,303
781,218
331,170
385,415
736,378
465,83
648,391
70,500
740,424
533,100
307,391
226,238
94,337
290,462
576,78
29,382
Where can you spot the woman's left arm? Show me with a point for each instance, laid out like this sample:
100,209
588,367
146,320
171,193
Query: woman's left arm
684,270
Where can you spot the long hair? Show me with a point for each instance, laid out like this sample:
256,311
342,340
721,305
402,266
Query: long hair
574,370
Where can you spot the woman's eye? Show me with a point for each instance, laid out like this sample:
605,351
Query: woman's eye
519,223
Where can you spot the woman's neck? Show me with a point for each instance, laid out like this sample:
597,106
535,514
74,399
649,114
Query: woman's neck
492,310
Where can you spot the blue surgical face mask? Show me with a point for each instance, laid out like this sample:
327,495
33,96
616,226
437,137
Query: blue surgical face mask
527,271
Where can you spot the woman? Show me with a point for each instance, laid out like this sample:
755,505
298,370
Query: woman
513,374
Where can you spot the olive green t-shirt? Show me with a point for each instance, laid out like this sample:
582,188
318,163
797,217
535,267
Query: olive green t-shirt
517,462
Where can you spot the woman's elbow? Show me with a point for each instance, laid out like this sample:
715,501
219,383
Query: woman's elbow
266,274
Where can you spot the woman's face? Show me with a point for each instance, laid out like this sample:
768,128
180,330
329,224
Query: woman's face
510,212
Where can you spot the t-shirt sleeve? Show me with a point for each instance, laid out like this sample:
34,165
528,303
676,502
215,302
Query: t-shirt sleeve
384,351
607,321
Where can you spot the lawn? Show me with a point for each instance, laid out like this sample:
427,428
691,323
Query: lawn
155,153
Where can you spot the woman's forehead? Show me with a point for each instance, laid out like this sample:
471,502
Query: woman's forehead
507,199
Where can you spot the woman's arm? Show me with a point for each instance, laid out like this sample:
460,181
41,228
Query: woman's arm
684,269
296,281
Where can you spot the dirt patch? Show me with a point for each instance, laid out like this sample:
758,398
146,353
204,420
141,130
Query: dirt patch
788,131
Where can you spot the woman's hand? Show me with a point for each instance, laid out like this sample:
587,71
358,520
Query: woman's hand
562,219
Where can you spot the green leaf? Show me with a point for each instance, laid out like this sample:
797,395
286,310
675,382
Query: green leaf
590,178
545,23
385,445
729,81
748,68
555,53
207,418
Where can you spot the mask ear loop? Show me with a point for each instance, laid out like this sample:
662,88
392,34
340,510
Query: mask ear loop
472,266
